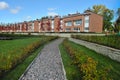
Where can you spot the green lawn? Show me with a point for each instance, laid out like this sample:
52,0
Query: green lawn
72,71
13,52
19,69
103,63
9,45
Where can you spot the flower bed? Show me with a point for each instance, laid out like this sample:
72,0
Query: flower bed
88,66
112,40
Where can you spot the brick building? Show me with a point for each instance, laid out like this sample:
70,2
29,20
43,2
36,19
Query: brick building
86,22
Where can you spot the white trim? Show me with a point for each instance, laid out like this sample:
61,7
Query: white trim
86,24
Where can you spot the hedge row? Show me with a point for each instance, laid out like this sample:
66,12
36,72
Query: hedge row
88,67
111,41
17,36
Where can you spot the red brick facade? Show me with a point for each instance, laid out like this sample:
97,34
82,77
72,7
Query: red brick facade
86,22
96,23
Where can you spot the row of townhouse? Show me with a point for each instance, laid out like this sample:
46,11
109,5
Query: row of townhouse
86,22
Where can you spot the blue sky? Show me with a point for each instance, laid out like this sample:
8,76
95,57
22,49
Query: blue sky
23,10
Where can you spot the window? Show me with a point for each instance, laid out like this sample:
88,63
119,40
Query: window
52,24
86,21
32,28
68,23
86,28
39,24
68,29
76,28
61,22
32,24
86,24
78,22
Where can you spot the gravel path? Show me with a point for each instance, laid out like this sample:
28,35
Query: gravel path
48,65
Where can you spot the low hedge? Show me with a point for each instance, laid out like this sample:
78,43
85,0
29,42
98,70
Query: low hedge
111,40
19,36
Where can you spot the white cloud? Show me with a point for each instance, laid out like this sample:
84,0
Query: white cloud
28,17
51,9
16,10
52,13
3,5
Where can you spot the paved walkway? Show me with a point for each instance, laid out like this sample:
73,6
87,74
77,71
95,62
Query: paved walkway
48,65
104,50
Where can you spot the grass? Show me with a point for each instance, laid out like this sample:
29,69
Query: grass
19,69
13,52
103,61
10,45
72,71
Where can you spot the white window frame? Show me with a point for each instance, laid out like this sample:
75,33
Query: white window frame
86,24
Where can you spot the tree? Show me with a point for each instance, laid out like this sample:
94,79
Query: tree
106,13
117,22
107,17
118,12
99,9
